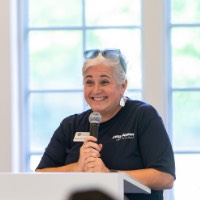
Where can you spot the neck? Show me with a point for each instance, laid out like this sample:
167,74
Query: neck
106,117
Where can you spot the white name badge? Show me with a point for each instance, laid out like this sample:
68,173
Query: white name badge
80,136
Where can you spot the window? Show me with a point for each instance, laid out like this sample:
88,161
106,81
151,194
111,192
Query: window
56,36
185,52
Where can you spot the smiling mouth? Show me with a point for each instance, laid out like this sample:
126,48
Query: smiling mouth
98,98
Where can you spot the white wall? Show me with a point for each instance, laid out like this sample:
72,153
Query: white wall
8,88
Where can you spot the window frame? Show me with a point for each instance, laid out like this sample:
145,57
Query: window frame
157,92
21,42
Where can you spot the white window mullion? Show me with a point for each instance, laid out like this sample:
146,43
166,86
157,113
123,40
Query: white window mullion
156,62
154,34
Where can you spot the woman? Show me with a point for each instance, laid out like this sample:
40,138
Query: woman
132,138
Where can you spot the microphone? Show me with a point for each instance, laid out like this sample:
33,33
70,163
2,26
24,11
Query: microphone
94,119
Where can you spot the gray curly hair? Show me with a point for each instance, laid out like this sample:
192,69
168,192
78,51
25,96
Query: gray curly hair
119,66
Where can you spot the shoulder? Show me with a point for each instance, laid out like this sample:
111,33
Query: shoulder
141,109
73,123
139,105
77,118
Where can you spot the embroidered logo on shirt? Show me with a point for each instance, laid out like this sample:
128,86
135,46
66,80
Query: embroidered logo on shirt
123,136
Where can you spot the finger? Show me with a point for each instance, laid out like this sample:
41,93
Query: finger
94,165
90,160
92,145
100,146
90,139
89,169
89,165
90,152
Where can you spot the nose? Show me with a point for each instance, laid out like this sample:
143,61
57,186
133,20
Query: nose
97,88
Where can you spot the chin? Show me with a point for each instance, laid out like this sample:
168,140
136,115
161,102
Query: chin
96,109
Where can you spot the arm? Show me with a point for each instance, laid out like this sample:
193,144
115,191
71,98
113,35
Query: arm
156,152
152,178
89,149
67,168
157,170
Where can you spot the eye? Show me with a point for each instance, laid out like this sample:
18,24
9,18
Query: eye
89,82
104,82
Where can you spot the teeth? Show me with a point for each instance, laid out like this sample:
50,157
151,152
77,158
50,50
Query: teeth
98,98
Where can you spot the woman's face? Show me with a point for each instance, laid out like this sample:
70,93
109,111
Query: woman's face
101,90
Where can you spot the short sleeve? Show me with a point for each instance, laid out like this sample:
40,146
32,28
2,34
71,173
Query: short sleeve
55,152
154,143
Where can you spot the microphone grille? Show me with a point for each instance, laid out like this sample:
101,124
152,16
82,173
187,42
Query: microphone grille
95,117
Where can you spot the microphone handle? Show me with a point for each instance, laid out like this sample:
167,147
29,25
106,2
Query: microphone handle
94,129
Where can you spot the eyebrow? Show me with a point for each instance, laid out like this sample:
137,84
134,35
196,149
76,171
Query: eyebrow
102,76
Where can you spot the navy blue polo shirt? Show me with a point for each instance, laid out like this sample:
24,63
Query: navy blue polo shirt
135,138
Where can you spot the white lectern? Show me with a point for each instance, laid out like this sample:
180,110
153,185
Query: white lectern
57,186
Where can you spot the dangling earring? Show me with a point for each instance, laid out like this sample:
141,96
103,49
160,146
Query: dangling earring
122,102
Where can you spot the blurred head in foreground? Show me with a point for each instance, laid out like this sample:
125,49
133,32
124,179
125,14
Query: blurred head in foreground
90,194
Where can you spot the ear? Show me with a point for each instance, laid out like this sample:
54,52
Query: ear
124,86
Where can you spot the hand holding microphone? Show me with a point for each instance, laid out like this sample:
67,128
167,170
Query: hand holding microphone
94,119
93,162
92,142
90,151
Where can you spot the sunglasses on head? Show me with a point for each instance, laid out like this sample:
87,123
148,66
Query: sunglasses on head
107,53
